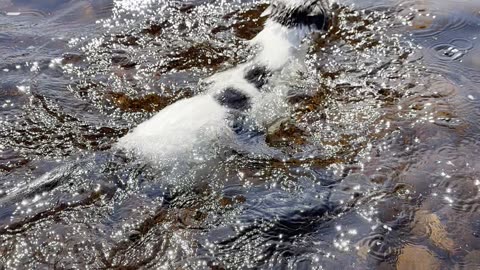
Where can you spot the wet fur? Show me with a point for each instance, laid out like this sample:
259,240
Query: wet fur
205,118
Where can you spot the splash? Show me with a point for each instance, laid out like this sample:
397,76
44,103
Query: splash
201,120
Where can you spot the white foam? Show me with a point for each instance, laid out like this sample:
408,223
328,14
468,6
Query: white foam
278,44
179,130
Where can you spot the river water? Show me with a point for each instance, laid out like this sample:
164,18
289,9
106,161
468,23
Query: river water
377,144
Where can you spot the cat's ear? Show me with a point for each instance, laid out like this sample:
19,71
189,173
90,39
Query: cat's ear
267,11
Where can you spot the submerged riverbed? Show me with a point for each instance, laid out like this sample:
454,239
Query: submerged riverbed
376,148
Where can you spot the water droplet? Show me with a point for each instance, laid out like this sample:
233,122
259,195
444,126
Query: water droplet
448,52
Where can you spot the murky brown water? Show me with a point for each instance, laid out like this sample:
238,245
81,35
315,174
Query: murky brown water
379,162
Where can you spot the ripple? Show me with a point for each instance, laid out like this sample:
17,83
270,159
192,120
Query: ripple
462,44
471,260
417,257
443,22
427,20
464,194
429,226
27,13
378,247
448,52
359,128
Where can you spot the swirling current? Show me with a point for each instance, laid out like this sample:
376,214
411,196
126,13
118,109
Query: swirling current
375,142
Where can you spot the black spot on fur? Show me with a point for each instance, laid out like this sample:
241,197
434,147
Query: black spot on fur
313,14
234,99
257,75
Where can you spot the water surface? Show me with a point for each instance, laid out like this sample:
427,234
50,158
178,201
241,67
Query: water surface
377,153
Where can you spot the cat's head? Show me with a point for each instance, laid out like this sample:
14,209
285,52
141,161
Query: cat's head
312,14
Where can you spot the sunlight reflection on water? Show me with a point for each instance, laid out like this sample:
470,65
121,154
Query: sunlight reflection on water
378,147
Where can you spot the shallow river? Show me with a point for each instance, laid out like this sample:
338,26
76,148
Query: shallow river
376,149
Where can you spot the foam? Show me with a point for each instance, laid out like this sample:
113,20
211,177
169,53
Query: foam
277,44
179,130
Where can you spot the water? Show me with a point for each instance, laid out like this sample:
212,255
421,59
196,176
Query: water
375,149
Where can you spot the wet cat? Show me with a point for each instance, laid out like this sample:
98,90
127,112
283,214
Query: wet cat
190,126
